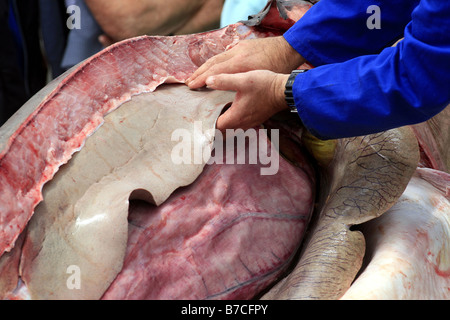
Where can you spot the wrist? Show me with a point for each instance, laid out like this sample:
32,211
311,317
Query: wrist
292,59
279,85
288,92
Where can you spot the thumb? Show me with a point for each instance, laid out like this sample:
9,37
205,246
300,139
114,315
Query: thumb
226,121
224,82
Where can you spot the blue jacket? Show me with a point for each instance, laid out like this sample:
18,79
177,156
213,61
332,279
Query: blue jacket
362,85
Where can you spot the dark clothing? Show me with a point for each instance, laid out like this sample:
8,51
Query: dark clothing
54,33
82,43
22,67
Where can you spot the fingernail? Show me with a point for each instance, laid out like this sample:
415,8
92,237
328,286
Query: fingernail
190,83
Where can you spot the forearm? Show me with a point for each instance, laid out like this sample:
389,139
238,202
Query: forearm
336,31
373,93
123,19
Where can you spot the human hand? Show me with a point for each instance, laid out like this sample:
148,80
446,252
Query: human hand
273,53
260,95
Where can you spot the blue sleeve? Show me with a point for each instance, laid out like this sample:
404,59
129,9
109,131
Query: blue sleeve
336,31
402,85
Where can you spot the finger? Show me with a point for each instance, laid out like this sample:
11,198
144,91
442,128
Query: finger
213,66
196,80
200,80
227,120
225,82
234,117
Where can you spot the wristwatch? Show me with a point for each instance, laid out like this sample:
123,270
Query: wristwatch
288,90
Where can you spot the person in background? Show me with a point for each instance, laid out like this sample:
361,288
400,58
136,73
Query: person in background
82,41
68,42
24,62
54,34
120,19
104,22
38,46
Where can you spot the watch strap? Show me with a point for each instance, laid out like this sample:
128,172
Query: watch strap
288,94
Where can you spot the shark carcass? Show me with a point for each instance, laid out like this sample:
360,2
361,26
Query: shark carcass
93,205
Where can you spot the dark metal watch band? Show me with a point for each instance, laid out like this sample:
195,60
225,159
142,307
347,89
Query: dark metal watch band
289,96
